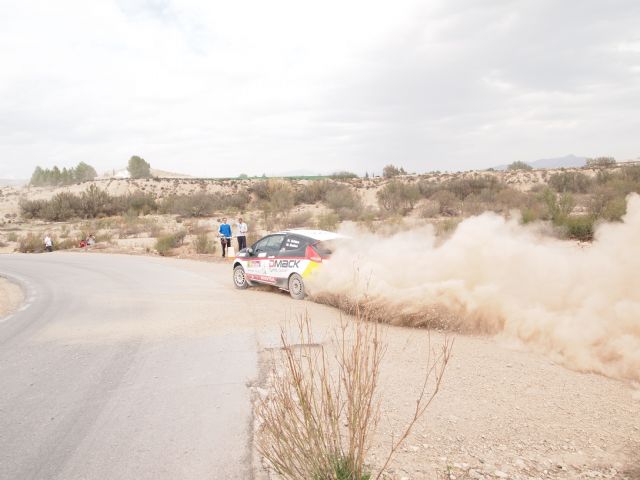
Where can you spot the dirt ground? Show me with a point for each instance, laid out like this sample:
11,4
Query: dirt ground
11,297
507,413
502,412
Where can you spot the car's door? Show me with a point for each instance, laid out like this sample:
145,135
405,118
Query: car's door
290,258
260,263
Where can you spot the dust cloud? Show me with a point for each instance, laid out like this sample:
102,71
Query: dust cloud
578,304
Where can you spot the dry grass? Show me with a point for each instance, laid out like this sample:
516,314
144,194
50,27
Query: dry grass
321,414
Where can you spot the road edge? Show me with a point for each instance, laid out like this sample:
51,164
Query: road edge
27,292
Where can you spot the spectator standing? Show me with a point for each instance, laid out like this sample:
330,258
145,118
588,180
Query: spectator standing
224,230
48,243
242,234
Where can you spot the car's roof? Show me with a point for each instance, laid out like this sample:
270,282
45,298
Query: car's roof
320,235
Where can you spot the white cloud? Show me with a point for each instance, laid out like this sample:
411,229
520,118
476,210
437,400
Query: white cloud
218,88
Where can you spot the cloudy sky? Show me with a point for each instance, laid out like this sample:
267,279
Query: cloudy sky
221,88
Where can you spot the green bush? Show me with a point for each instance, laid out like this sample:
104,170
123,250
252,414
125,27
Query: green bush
12,237
559,207
579,227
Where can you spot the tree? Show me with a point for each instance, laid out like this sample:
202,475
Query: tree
66,176
38,177
519,166
391,171
85,173
601,162
138,168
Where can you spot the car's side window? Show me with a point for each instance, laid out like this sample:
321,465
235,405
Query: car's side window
294,246
273,244
260,246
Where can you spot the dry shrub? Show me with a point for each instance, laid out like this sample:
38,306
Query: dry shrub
328,221
574,182
299,219
275,199
313,192
131,225
450,205
92,203
429,209
30,243
166,243
203,244
397,197
342,196
322,410
204,204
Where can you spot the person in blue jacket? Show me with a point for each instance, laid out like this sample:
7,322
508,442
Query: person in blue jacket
225,236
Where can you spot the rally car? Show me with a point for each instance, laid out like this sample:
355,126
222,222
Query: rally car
284,259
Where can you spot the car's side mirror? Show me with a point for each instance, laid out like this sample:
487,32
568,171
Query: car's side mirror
250,251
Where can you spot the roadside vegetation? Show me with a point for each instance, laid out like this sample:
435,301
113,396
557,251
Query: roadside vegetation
323,407
570,201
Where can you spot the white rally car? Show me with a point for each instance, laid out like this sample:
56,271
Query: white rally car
284,259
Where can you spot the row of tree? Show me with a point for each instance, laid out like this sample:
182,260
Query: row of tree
66,176
41,177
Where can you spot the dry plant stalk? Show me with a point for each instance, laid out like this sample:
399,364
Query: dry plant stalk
319,418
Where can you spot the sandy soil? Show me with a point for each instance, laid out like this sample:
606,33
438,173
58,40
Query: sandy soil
502,413
11,297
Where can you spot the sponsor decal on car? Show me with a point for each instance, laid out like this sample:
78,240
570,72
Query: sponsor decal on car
262,278
284,263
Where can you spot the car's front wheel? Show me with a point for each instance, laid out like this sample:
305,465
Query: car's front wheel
240,278
296,287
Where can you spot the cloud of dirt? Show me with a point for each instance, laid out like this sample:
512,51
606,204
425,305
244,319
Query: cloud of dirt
578,304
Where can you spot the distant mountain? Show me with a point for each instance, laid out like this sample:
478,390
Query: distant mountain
568,161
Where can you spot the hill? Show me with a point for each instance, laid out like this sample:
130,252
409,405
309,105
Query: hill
568,161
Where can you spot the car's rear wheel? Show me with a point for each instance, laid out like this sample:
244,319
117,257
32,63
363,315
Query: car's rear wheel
296,287
240,278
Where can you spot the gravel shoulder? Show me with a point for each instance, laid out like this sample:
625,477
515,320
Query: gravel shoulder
11,297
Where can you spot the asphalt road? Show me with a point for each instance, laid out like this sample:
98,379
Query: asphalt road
127,367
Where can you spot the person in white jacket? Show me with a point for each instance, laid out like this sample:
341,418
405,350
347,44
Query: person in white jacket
48,243
242,234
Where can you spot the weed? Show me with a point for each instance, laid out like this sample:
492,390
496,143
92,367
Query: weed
320,416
